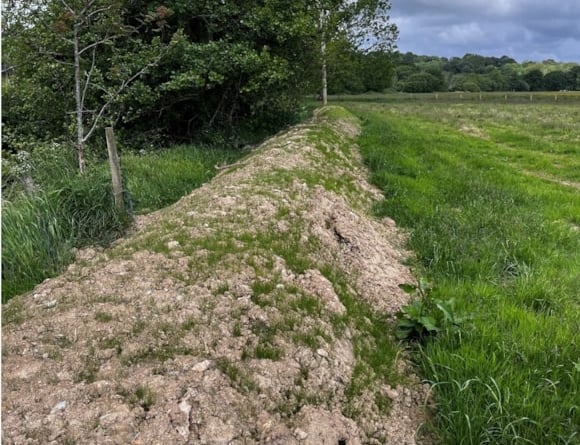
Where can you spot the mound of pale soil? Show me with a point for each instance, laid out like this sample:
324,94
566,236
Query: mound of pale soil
226,318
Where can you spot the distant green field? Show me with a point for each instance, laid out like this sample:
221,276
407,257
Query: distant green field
491,194
461,97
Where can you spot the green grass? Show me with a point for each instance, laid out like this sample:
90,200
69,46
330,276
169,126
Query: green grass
160,178
310,306
501,241
505,97
143,396
159,353
39,231
239,377
103,317
374,345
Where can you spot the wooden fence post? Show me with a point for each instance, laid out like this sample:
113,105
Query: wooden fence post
115,168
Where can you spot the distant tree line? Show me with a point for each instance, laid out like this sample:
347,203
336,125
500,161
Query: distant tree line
472,72
356,72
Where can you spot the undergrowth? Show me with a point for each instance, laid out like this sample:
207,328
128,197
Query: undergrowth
38,231
68,211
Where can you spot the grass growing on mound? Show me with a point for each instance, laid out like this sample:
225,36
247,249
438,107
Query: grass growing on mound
506,246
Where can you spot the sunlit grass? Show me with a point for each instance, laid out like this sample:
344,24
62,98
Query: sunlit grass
505,244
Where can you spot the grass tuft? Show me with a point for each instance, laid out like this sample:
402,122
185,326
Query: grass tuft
39,231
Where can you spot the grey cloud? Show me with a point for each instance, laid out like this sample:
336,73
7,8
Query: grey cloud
523,29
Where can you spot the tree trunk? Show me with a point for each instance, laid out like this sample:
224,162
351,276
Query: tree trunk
78,102
323,57
324,82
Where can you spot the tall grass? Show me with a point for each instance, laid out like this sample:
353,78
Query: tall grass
506,246
39,231
160,178
34,245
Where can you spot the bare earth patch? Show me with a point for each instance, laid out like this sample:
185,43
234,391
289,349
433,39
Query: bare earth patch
220,319
546,177
472,130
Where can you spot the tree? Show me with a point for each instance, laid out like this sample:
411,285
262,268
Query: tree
344,66
76,37
377,71
470,82
352,71
505,60
404,71
497,81
364,23
515,81
233,63
477,73
422,83
556,81
574,77
535,79
170,71
473,63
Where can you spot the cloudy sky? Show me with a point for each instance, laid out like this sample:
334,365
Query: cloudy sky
523,29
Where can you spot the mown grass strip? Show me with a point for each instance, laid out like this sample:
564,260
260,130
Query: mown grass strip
506,246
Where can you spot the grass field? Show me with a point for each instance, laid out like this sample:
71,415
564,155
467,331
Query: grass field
491,194
554,97
158,179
